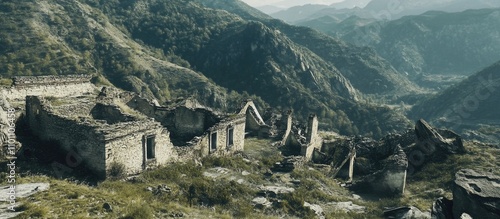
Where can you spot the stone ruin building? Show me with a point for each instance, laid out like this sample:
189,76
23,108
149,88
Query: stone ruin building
109,126
381,167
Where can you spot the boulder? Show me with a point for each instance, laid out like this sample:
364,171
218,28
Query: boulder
408,212
465,216
288,164
433,140
274,191
477,194
442,209
390,180
107,207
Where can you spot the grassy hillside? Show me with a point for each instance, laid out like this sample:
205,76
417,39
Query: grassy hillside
225,187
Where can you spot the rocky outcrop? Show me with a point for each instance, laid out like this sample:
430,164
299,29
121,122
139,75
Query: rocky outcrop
408,212
444,140
390,179
476,194
442,209
348,207
261,202
432,144
318,210
288,164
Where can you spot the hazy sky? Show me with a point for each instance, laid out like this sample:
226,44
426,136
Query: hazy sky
288,3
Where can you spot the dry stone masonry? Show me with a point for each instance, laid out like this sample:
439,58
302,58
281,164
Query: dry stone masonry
109,128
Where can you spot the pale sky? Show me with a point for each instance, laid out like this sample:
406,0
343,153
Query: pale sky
288,3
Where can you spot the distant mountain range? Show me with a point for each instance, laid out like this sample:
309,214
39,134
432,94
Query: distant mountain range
432,43
269,9
349,4
379,9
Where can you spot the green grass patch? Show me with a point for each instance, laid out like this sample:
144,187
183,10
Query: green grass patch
6,82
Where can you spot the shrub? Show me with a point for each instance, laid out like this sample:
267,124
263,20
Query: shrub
117,170
173,172
33,211
139,211
242,209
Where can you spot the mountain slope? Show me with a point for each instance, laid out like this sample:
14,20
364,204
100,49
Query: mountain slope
285,73
368,72
180,48
432,43
446,43
474,101
43,40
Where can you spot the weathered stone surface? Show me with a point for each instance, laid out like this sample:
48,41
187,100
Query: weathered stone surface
318,210
348,207
261,202
288,164
59,86
442,209
477,194
216,172
51,79
438,140
465,216
338,154
274,191
23,190
408,212
99,145
390,180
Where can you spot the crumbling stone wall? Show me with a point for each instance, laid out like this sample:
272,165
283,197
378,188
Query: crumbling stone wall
187,123
125,144
99,145
109,113
222,129
314,141
50,80
288,126
57,86
255,125
77,138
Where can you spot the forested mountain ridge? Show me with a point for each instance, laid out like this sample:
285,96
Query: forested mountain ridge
435,42
364,68
181,48
473,101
